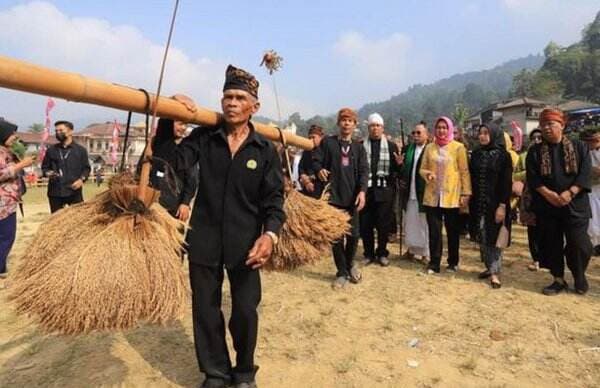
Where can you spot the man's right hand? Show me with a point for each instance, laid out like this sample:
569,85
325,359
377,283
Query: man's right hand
324,175
309,187
555,199
27,161
187,101
51,174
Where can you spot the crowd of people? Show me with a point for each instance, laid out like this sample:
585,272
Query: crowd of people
432,183
550,187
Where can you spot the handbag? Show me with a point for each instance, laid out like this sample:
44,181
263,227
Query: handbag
502,241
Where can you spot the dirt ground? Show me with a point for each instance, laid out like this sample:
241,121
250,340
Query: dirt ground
466,334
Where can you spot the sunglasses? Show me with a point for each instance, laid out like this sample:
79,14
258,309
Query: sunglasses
416,132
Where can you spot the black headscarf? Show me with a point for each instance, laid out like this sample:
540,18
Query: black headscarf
6,130
497,141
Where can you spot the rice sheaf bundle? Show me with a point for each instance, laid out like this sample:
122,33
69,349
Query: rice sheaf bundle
106,264
312,225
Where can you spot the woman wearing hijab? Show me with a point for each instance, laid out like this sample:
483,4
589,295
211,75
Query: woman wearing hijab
10,190
491,179
445,169
177,188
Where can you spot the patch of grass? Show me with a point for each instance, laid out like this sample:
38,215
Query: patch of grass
388,326
311,327
469,364
345,364
38,195
33,349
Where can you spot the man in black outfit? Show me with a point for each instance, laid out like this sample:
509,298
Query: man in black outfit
307,176
67,167
559,175
342,162
235,222
378,214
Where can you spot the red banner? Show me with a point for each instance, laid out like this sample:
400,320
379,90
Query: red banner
114,147
46,133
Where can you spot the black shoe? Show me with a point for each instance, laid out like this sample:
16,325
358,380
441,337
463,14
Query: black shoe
582,286
383,261
555,288
452,268
484,275
431,270
597,250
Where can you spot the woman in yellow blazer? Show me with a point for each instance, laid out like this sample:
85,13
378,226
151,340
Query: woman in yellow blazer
445,168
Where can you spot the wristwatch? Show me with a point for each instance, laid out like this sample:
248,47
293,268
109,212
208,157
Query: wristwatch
273,236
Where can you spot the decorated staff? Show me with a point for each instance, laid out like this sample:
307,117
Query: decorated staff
311,225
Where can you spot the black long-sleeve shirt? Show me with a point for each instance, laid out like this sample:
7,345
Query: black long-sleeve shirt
238,198
558,181
346,181
174,191
69,163
305,167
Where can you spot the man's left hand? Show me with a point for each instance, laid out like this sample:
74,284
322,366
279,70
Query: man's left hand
183,212
77,184
360,201
260,252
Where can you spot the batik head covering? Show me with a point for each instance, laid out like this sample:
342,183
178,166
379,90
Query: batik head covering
240,79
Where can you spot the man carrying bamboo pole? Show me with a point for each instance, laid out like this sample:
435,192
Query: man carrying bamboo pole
237,215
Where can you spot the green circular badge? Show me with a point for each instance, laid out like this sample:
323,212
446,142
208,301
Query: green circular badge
251,164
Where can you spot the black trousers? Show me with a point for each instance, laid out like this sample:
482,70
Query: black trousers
344,249
450,219
533,236
376,216
209,323
57,203
564,237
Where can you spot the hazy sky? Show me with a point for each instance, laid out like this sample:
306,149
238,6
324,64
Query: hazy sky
335,53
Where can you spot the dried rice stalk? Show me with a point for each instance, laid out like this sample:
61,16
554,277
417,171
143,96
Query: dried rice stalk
311,227
100,266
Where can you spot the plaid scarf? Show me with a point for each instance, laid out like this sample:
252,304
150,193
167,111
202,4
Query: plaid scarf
383,166
569,154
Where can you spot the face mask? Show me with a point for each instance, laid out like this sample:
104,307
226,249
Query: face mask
61,137
18,149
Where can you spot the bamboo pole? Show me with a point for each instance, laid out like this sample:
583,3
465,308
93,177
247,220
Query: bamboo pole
27,77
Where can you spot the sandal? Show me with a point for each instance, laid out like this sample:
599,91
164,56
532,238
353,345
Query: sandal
485,274
495,282
535,266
